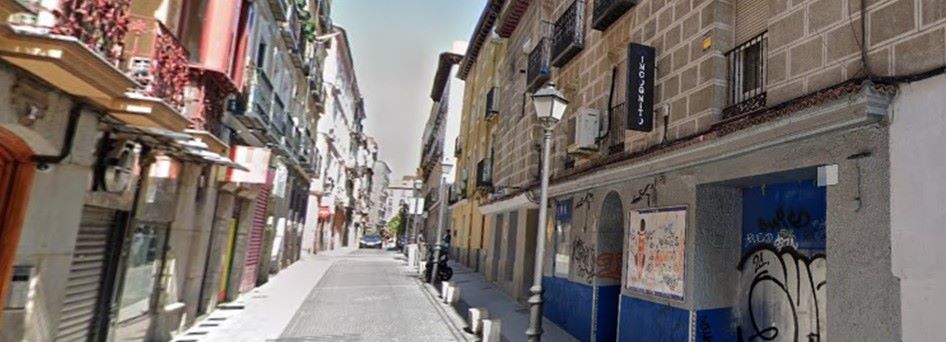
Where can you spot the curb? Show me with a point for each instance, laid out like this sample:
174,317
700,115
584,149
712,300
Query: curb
456,323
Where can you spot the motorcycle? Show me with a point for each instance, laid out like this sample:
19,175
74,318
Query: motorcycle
444,271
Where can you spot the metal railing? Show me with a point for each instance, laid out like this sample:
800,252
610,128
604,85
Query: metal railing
492,103
157,60
539,70
484,173
616,130
568,34
262,95
606,12
747,76
99,25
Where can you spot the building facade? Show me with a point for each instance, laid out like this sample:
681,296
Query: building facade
130,141
713,159
435,158
342,147
378,216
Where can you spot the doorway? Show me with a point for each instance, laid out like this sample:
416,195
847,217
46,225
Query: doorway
16,178
608,268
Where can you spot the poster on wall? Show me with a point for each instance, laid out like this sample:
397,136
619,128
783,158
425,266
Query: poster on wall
656,245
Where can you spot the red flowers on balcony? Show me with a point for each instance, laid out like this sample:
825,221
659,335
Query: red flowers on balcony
157,60
99,24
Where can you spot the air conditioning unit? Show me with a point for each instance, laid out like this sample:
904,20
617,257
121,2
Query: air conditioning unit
583,132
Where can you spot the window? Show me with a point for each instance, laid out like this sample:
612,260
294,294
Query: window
561,248
747,76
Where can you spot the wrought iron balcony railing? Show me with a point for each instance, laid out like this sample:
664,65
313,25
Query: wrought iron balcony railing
279,116
538,71
492,103
280,8
262,95
100,25
484,173
606,12
747,76
568,34
156,59
614,141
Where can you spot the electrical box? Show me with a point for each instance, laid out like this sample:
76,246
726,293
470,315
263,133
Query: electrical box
583,132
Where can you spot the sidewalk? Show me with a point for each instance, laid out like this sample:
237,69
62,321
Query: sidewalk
476,292
263,313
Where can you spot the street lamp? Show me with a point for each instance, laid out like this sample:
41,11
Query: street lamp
549,106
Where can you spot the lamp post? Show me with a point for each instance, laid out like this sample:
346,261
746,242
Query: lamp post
549,106
441,212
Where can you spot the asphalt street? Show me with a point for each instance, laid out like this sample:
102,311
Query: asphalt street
368,296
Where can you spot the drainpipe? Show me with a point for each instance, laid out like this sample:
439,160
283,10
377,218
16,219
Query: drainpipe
68,139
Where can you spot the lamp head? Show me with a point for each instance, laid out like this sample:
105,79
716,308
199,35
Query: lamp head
549,104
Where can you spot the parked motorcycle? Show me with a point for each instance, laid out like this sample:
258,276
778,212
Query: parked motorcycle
444,272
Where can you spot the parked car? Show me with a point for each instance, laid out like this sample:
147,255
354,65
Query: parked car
371,241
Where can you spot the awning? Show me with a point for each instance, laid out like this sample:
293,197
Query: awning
181,145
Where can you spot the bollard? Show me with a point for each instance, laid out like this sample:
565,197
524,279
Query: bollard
444,288
477,315
453,296
447,292
491,330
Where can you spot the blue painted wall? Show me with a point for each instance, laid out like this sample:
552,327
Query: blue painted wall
569,305
714,325
775,215
646,321
608,302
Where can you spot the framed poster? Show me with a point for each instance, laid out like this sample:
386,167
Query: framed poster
656,250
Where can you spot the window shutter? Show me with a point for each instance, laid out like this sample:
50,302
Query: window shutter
751,19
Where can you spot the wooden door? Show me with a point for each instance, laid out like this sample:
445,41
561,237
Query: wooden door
16,176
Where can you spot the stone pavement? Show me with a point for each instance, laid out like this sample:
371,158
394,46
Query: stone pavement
262,314
363,295
475,291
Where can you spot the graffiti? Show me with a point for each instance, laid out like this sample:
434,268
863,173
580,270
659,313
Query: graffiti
656,247
793,220
785,215
781,296
609,266
583,258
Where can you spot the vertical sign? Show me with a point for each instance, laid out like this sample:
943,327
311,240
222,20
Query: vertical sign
640,88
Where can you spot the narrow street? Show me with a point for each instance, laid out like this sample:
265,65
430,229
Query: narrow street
352,295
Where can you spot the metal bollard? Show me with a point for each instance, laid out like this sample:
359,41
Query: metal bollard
444,289
477,315
491,330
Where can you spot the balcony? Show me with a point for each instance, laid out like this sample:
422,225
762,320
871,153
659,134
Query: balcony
492,103
568,34
538,71
279,118
614,141
157,60
747,78
280,9
74,45
484,174
262,99
606,12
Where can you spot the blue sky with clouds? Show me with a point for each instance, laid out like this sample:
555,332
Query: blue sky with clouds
395,44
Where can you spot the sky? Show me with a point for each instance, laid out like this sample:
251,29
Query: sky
395,46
